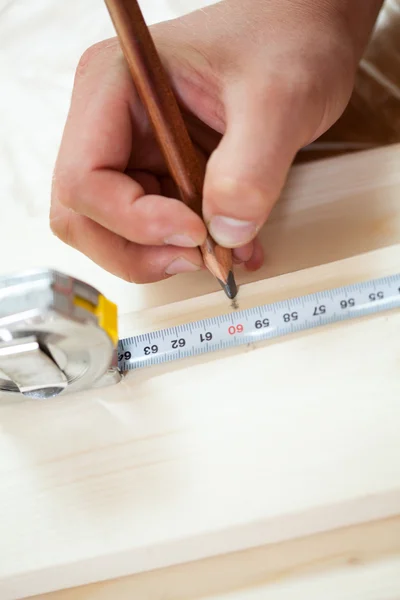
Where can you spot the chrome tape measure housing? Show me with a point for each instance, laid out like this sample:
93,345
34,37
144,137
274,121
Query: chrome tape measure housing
57,335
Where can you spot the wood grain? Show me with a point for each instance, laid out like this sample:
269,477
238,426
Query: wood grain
179,464
338,560
158,98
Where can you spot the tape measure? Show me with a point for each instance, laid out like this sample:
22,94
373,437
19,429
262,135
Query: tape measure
59,334
259,323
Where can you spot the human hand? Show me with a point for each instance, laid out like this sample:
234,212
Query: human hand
256,80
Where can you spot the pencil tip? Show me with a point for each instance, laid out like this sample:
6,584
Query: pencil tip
230,287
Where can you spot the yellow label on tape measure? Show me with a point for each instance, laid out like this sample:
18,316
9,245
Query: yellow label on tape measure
106,313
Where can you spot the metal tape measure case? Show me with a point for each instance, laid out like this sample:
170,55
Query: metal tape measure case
57,335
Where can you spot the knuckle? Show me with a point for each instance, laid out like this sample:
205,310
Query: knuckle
132,275
56,227
133,270
297,82
144,264
65,192
89,55
297,96
139,275
94,55
61,228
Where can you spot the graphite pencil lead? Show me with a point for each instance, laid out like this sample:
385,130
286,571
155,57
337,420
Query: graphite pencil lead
230,287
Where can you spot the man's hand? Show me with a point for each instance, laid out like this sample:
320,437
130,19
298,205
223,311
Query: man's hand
257,80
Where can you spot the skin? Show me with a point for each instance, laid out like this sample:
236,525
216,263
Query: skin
256,79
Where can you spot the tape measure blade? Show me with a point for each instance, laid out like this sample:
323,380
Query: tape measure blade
260,323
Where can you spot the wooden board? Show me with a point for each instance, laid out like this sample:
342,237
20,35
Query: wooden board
248,448
209,456
356,563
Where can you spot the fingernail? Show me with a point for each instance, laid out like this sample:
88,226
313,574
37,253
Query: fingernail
180,239
181,265
231,232
256,259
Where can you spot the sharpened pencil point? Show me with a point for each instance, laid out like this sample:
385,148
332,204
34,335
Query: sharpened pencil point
230,287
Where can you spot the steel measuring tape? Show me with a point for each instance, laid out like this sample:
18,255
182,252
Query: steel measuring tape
58,334
260,323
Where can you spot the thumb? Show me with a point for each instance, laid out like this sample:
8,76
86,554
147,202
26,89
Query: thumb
247,171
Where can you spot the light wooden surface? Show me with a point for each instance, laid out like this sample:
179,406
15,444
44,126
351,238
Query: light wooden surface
335,561
367,582
208,456
231,451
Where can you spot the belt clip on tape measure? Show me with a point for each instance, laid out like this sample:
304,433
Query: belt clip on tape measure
57,335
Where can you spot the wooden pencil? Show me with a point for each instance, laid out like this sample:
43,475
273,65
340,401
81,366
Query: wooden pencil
155,91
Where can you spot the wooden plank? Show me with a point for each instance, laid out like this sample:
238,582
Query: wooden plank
347,561
209,456
378,580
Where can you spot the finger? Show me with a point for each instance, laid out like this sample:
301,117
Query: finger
206,137
127,260
149,183
247,171
243,253
97,146
251,256
106,123
119,203
257,258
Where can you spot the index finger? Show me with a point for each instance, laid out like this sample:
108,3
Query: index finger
105,121
98,130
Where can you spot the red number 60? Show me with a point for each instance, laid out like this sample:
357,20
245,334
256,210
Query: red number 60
238,329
